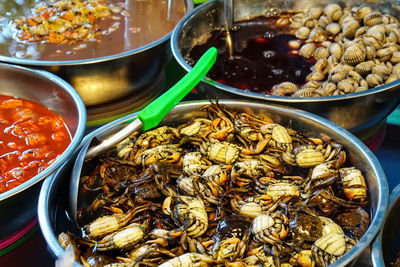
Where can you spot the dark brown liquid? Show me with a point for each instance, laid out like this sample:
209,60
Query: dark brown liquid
261,57
148,21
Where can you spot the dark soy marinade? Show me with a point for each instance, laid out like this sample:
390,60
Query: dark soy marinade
261,58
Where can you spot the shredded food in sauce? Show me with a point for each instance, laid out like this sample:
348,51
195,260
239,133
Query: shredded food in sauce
31,138
66,21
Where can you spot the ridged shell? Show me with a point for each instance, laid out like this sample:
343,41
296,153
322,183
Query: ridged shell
396,69
333,11
353,55
364,68
373,18
374,80
386,52
285,88
370,52
326,89
324,21
389,19
394,35
321,65
395,57
314,12
333,28
303,32
361,31
315,76
372,41
392,77
350,28
312,84
309,22
381,70
355,76
318,35
336,50
337,74
390,27
346,86
304,92
307,50
362,11
378,32
321,53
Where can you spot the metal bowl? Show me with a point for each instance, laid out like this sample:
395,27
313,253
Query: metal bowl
18,205
357,112
104,79
53,218
385,247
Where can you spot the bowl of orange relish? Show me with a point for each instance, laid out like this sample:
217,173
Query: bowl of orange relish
42,121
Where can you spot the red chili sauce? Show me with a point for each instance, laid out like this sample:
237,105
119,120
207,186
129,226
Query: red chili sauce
31,138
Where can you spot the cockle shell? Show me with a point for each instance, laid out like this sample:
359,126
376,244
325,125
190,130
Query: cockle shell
370,52
346,86
374,80
315,76
333,11
324,21
377,31
333,28
321,53
321,65
382,70
326,89
361,11
307,50
373,18
337,74
389,19
392,77
395,57
369,40
394,35
314,12
336,50
303,32
355,76
309,22
284,88
354,55
361,31
350,28
304,92
364,68
386,52
362,86
318,35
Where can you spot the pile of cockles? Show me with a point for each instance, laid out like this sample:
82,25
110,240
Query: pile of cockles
354,48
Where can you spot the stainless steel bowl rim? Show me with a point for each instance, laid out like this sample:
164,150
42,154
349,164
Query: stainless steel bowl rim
179,58
356,251
21,61
376,249
75,139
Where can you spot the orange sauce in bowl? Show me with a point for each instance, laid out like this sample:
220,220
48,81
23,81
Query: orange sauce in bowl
31,138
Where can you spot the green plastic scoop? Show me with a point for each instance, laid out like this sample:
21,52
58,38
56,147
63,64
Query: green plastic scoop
151,115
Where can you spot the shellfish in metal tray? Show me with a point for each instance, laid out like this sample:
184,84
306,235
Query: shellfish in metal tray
208,208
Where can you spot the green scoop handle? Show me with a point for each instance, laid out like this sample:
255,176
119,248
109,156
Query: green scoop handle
151,115
156,110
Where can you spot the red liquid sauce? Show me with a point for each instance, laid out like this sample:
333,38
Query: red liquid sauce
261,56
31,138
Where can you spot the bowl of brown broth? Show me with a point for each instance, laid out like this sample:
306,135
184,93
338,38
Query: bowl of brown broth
267,52
109,53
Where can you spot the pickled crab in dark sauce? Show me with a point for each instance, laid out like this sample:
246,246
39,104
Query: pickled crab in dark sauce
261,56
